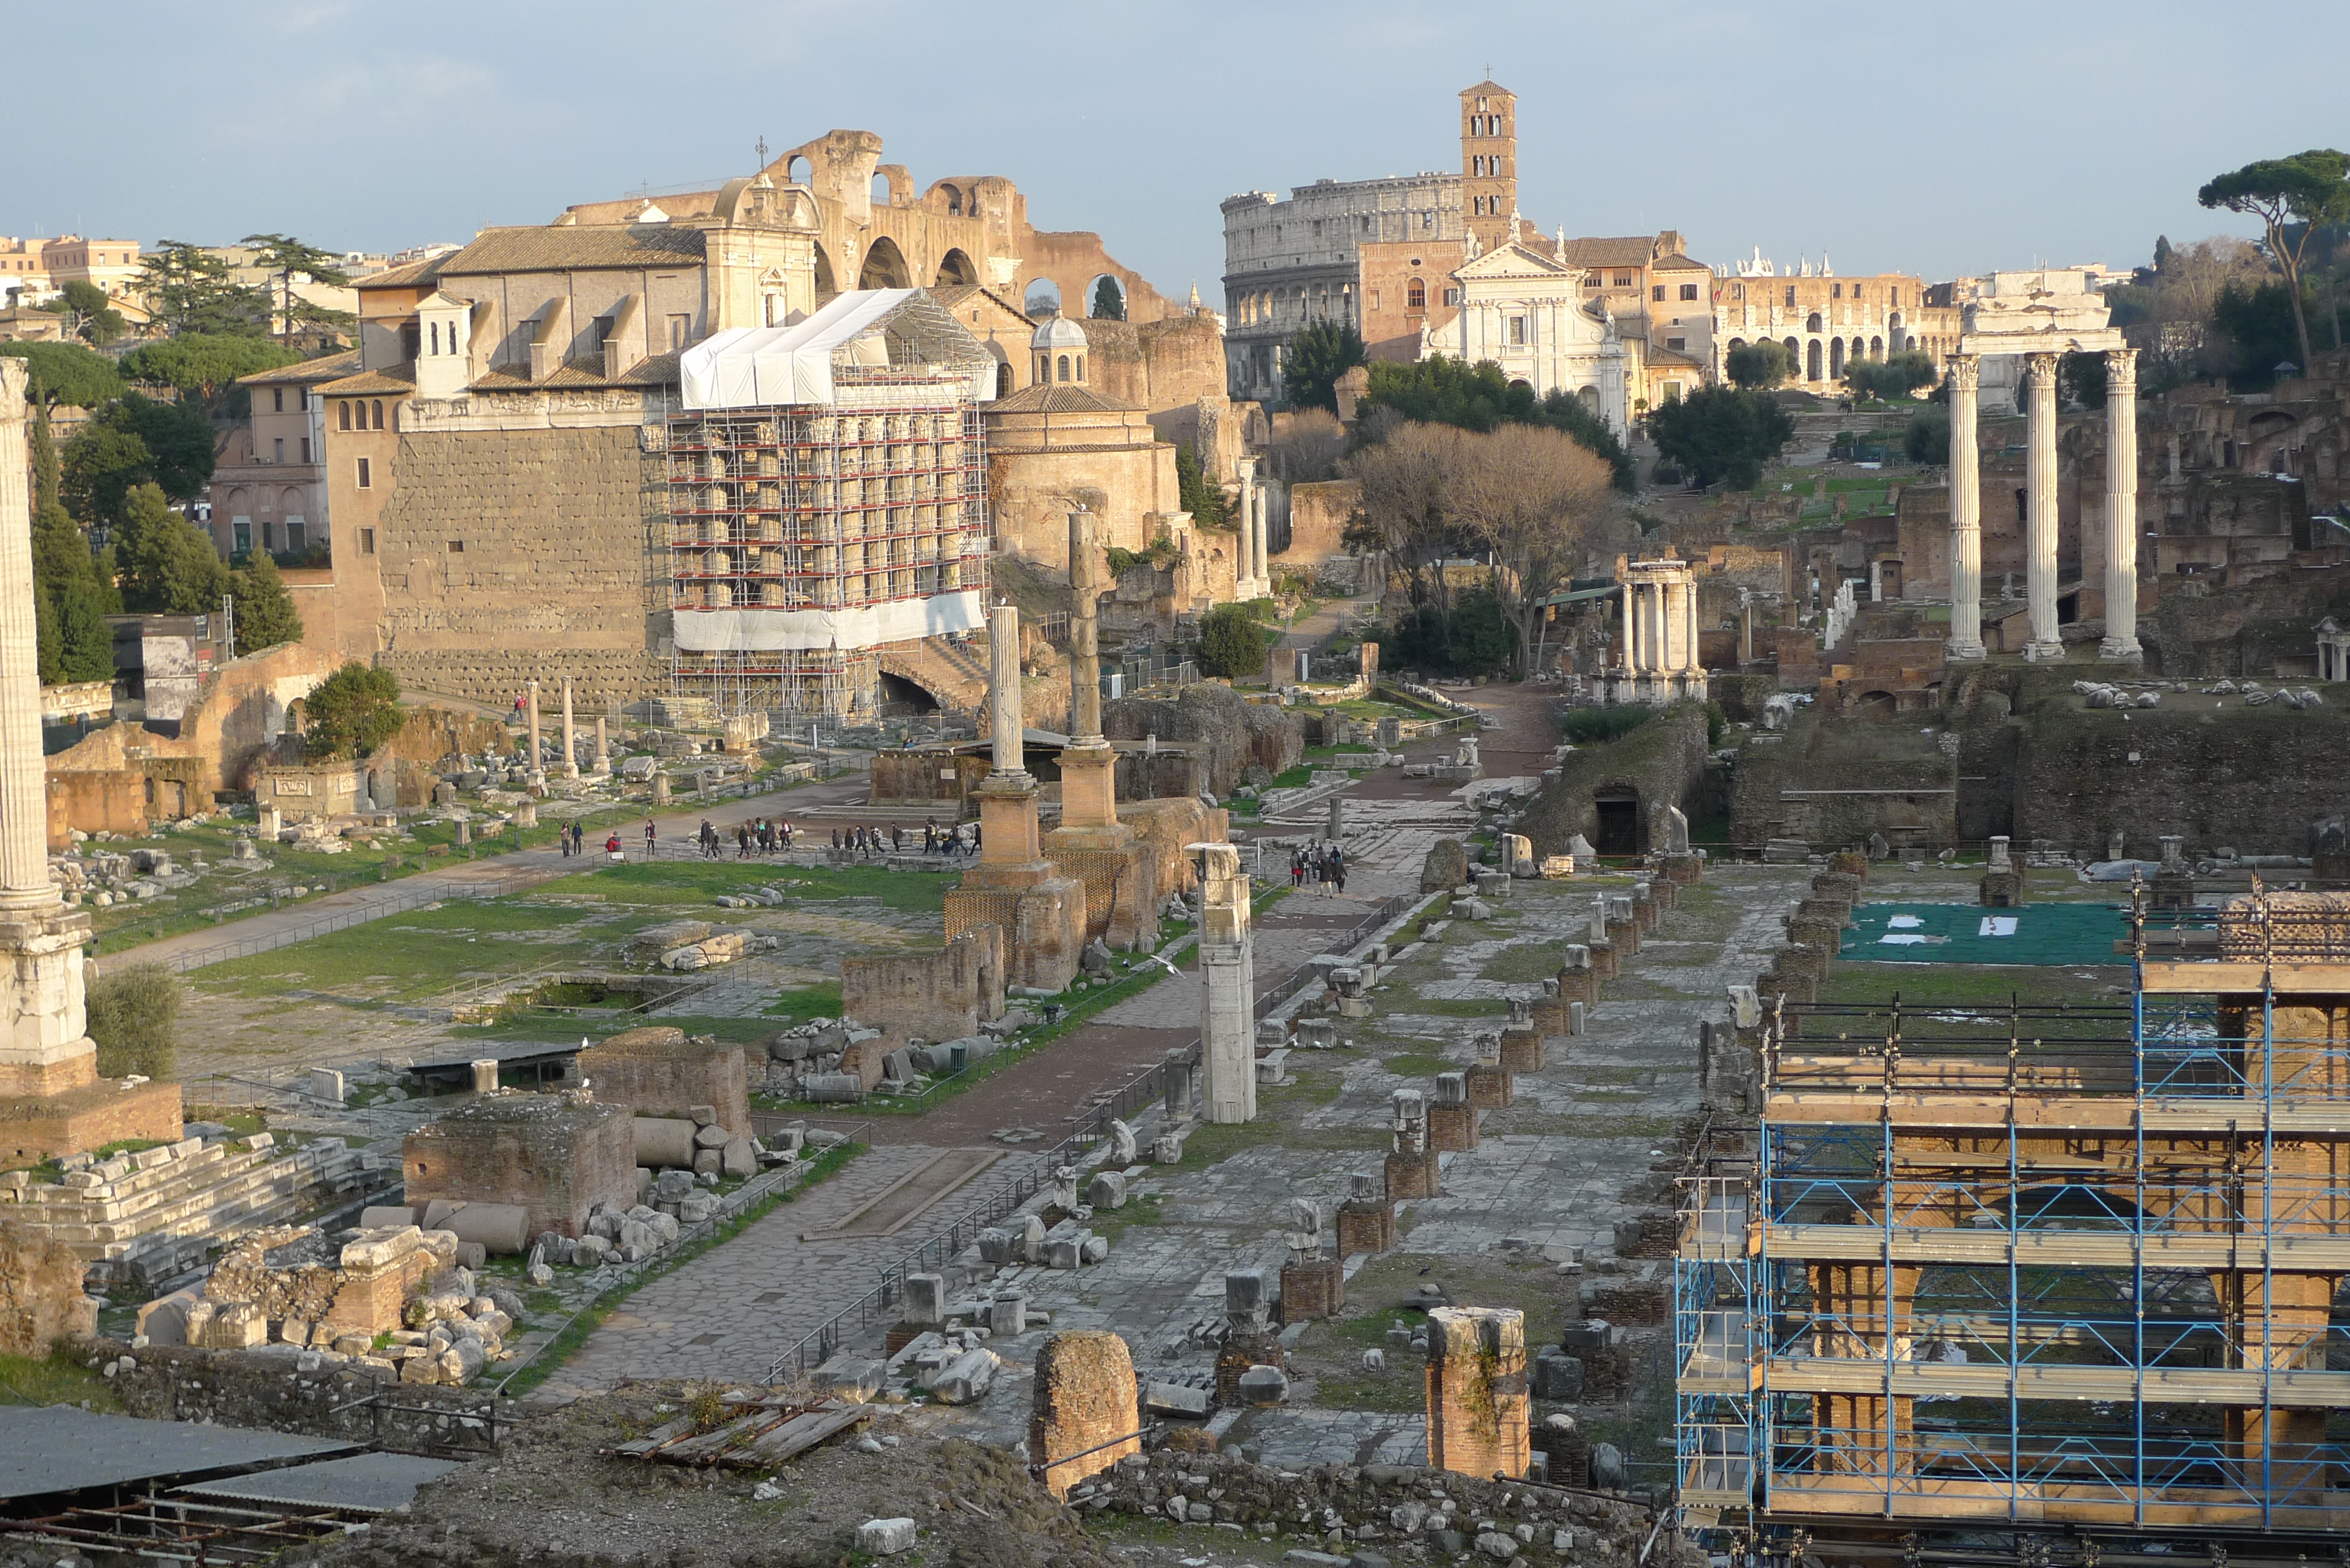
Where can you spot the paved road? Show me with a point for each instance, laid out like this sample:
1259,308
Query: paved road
355,906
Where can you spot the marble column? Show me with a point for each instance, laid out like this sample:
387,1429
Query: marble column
1693,663
534,773
570,735
1004,692
603,747
2040,506
1631,614
2121,506
1085,640
1244,567
1227,967
25,882
1966,511
1263,536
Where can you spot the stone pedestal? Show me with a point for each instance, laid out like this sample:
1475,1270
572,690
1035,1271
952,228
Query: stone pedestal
1490,1086
1521,1049
1452,1118
1312,1288
1227,962
1366,1220
1477,1395
1085,1413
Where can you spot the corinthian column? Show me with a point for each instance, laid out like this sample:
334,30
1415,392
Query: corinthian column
1259,533
2121,506
1004,692
533,772
2040,507
24,793
1966,513
1244,567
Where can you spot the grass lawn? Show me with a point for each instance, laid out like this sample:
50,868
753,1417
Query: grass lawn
425,953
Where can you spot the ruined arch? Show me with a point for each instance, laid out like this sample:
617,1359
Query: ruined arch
1835,357
826,285
1812,361
1043,297
1812,323
1093,297
949,196
885,266
955,269
799,171
1795,354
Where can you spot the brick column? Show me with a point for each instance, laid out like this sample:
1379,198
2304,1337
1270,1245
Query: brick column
1084,1397
1477,1403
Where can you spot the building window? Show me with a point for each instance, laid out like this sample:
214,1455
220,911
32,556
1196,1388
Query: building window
1081,367
1452,296
366,480
1791,297
366,541
1415,295
277,450
1517,331
1677,344
1657,293
1624,280
1061,365
1893,296
456,546
1428,219
306,449
1689,291
242,531
1835,291
1374,300
436,339
342,415
276,399
378,413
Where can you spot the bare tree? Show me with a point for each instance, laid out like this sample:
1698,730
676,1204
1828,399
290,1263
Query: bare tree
1405,477
1536,500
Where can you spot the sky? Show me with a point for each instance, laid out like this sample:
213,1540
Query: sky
1897,137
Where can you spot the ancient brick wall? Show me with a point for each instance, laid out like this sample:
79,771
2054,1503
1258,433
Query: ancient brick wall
659,1071
508,553
175,1383
1661,762
41,1298
1085,1400
554,1157
1230,731
1319,514
941,995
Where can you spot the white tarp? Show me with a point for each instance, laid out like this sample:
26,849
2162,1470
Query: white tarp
765,367
771,630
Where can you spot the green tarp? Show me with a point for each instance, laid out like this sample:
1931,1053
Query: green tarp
1969,933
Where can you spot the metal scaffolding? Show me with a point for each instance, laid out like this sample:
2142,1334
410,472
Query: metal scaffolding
820,509
2037,1267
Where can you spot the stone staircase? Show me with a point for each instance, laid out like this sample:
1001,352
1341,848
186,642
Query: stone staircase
153,1215
955,675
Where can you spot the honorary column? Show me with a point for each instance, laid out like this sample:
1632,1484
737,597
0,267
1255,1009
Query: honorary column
1004,692
1244,567
25,881
2040,506
2121,506
1966,518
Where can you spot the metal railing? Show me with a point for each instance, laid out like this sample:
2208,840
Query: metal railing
612,1277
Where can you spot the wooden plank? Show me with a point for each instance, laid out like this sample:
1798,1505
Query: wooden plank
2164,1385
802,1433
2050,1249
641,1447
695,1450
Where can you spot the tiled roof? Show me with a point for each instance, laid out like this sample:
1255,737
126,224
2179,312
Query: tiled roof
395,380
1629,250
1674,357
954,294
1059,399
562,248
659,370
305,373
1679,263
408,276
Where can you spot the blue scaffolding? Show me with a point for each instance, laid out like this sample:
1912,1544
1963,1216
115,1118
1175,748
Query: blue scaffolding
2038,1266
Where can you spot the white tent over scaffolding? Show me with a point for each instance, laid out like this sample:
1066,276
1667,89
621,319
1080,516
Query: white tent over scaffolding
858,340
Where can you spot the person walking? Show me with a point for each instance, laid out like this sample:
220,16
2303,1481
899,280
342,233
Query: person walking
1297,867
897,838
1338,868
652,835
742,841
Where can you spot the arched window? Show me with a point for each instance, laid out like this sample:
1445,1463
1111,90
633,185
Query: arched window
1812,362
436,338
1003,379
342,414
1836,356
1081,368
378,413
1812,323
1795,354
1065,367
1876,348
1415,295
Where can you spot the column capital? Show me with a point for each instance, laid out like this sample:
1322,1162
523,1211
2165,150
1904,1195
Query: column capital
2041,364
2121,370
1964,372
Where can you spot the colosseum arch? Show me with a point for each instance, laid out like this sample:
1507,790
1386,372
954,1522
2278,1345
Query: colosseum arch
1093,297
1043,298
884,266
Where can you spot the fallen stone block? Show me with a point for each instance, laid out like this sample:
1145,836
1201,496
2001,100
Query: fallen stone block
1177,1399
852,1377
885,1537
965,1378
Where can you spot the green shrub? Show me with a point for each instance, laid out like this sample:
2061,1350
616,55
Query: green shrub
1232,642
133,1017
1588,726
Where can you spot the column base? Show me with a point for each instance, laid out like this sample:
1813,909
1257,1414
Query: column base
2121,648
1956,652
2044,652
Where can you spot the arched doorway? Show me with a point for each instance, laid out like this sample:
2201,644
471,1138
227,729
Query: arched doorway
1106,298
884,266
955,270
1621,824
1874,706
1812,362
1043,298
1835,357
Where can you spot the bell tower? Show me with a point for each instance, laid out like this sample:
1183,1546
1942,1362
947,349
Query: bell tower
1489,163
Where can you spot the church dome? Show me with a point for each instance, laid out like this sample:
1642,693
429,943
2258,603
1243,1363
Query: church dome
1059,332
1058,352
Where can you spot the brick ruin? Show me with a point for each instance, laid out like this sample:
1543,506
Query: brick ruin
1086,1415
1477,1394
557,1157
944,994
659,1071
41,1299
